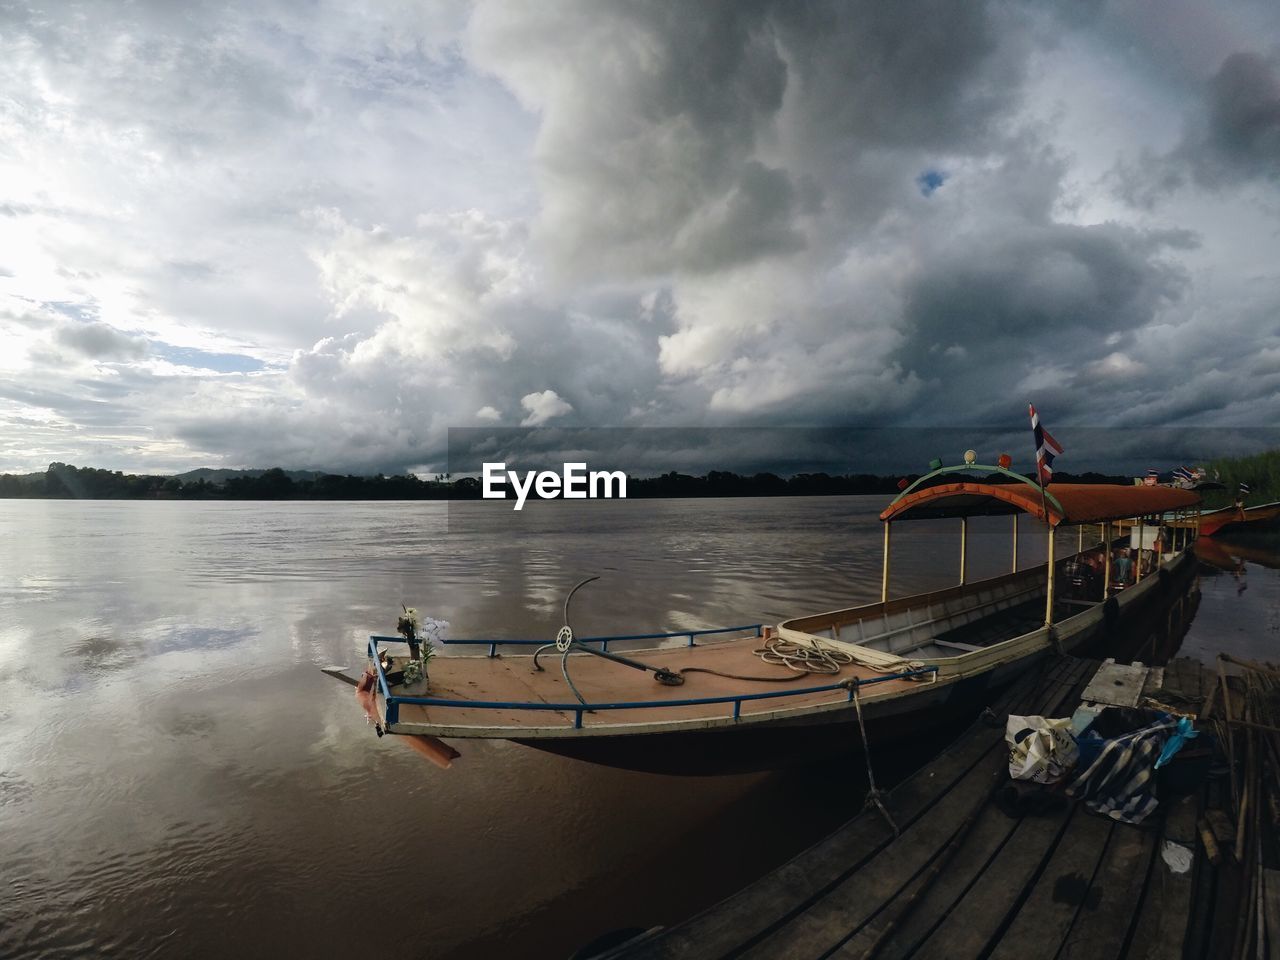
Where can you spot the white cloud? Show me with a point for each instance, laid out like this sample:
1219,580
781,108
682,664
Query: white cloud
542,407
488,413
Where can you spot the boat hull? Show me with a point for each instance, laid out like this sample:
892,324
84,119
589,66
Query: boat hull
1230,518
1147,621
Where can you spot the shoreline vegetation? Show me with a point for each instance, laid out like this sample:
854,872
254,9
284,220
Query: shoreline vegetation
64,482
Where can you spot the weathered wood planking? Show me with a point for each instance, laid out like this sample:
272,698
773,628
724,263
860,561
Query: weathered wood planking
766,908
1166,907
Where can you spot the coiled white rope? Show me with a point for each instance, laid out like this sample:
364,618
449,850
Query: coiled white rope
804,657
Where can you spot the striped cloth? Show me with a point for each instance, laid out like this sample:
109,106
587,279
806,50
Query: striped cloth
1118,784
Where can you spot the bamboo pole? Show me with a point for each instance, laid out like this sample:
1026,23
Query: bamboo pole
1106,560
1048,597
1015,543
884,576
964,547
1231,752
1137,554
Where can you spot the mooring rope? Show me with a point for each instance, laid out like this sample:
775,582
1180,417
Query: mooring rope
874,796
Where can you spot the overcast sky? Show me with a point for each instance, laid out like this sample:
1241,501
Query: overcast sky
320,234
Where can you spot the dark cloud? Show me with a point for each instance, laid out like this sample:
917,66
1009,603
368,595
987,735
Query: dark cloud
1231,137
1240,136
696,138
99,341
1034,289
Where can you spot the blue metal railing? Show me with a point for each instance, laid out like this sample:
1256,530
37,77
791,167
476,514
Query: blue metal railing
578,709
604,642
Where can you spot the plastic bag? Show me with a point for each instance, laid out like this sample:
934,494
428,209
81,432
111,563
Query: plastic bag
1040,749
1181,734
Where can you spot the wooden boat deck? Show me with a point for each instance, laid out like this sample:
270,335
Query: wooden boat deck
966,880
513,679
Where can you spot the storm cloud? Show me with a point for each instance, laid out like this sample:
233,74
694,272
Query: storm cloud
322,235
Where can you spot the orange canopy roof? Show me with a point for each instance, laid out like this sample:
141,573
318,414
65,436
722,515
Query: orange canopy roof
1068,503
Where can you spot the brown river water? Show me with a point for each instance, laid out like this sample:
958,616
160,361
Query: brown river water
179,779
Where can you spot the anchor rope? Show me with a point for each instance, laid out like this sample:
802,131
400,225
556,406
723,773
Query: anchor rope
875,798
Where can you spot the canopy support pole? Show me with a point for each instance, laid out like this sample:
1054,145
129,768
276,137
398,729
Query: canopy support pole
1048,596
1015,543
1106,561
1141,527
964,547
884,576
1080,539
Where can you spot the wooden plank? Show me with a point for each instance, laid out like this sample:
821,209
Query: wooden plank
753,912
1040,926
844,909
1271,908
987,838
978,916
1109,908
1163,915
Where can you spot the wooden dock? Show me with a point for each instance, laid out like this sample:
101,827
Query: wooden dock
965,879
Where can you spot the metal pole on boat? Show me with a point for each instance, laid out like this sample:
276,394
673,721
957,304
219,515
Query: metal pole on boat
1048,596
1137,551
1080,539
1015,543
964,545
884,576
1106,561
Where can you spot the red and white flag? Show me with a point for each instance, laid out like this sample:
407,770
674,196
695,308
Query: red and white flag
1046,447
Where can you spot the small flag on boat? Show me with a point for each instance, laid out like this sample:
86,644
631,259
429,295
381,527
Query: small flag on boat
1046,447
1182,473
1244,487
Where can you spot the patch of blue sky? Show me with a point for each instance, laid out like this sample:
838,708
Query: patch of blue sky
207,359
929,181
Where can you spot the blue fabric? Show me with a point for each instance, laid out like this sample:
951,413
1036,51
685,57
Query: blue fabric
1184,732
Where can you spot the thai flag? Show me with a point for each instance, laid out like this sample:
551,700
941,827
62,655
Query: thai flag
1244,487
1182,473
1046,447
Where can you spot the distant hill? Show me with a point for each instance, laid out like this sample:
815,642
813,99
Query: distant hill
217,476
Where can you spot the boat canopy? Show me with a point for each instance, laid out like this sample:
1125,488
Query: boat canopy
1067,503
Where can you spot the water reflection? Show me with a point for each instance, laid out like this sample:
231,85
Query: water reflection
175,771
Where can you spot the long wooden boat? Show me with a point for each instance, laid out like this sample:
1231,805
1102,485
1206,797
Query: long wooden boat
1230,518
704,701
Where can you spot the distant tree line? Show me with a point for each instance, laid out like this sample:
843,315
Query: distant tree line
64,481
